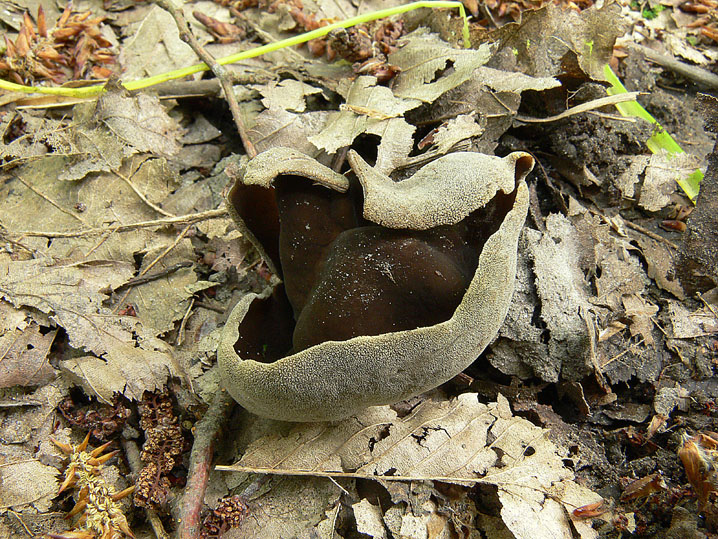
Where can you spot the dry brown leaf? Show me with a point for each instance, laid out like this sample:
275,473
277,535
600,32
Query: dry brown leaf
461,441
25,482
431,67
374,110
23,357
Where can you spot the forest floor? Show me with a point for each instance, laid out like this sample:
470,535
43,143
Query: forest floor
593,412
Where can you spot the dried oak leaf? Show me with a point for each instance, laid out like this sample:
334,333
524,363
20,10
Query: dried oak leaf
392,288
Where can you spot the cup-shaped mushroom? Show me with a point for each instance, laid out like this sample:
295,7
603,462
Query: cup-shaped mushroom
388,288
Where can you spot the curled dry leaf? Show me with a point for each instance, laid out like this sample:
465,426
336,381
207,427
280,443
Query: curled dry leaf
390,289
458,442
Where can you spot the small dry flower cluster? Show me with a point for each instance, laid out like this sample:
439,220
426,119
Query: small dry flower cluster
699,455
707,21
74,49
100,420
366,46
230,513
163,444
97,504
502,9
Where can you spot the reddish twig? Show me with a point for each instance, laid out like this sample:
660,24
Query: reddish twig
200,462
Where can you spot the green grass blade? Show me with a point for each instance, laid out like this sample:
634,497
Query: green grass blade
90,91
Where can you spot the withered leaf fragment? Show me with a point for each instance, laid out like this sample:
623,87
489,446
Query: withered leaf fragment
698,454
389,288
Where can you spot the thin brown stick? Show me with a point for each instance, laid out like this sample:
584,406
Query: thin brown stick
189,219
200,462
180,332
650,234
136,281
219,71
27,530
141,196
695,73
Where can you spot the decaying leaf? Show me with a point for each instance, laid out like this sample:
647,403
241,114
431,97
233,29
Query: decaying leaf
461,441
23,356
564,295
140,122
659,181
155,47
552,40
375,110
27,482
160,302
285,122
430,67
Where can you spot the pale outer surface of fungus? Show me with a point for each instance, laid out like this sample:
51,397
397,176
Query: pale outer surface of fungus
336,379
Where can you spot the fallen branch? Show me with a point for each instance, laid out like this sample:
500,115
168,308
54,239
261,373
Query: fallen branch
132,453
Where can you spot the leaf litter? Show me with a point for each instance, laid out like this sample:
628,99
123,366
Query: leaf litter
97,297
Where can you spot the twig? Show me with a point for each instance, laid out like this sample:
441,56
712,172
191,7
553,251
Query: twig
139,194
583,107
133,458
27,530
135,281
219,71
200,461
192,218
708,305
183,324
695,73
49,200
650,234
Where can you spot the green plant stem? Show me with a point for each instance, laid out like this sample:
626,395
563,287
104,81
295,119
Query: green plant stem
91,91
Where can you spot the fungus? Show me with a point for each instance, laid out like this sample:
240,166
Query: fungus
388,289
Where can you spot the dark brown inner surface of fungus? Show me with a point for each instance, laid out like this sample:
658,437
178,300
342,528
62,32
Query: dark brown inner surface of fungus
344,276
